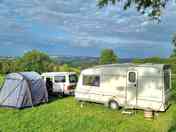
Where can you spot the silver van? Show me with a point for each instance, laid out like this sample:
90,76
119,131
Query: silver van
63,83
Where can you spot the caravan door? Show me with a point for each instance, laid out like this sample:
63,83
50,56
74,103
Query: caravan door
131,91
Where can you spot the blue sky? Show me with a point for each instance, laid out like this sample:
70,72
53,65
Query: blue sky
80,28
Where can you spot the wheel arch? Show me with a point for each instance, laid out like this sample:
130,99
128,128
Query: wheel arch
115,99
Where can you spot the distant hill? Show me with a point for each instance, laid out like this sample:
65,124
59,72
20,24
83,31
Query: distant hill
83,60
125,60
7,58
76,60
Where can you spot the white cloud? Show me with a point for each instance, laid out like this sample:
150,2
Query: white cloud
84,24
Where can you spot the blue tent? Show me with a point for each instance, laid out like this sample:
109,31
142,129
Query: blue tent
23,89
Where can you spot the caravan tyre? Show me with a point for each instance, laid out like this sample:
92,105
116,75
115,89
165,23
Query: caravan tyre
113,105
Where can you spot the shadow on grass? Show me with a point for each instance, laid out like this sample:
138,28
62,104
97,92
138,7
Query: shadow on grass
173,126
172,129
53,98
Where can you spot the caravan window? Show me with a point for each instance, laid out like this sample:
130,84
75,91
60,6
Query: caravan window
91,80
59,79
132,77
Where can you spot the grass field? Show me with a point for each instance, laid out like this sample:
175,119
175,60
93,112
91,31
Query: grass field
66,115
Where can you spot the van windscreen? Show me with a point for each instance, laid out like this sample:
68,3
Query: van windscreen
59,79
73,78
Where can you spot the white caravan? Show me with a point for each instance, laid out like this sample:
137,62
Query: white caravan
144,86
62,83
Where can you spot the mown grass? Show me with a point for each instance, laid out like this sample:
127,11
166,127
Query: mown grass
66,115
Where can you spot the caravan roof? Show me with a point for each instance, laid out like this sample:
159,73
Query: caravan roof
126,65
132,65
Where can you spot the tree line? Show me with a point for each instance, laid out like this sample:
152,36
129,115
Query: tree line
41,62
34,61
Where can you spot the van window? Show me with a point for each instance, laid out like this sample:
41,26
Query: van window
132,77
73,78
91,80
59,79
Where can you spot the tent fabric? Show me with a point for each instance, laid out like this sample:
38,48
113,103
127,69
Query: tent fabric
23,89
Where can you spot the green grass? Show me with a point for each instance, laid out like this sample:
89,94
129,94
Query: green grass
66,115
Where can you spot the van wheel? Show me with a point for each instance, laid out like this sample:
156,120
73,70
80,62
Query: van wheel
113,105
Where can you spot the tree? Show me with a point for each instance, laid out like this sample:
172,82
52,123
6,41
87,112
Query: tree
152,7
35,61
174,39
64,68
52,67
154,59
174,45
108,57
5,68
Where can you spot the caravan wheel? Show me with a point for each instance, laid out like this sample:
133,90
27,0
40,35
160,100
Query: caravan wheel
113,105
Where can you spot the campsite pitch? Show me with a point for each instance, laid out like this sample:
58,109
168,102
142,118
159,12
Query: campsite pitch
66,115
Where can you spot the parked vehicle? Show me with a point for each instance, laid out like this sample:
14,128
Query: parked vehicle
145,86
62,83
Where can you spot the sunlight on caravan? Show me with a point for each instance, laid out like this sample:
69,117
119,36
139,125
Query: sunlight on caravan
145,86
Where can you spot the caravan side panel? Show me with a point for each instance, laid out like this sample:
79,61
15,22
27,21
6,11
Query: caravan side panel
150,89
114,84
